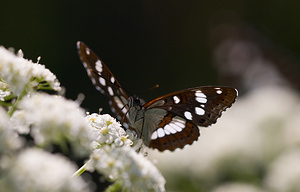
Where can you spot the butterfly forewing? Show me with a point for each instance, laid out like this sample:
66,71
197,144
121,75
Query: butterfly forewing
104,81
186,111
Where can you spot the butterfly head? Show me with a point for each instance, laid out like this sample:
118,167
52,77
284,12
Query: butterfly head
134,101
135,107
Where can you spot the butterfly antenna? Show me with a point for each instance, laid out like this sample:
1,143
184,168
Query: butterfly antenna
154,87
149,89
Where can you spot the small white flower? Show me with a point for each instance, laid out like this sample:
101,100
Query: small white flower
4,91
35,170
106,130
20,73
54,119
4,94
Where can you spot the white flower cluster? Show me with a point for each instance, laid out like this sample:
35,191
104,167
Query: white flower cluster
48,119
21,74
133,170
35,170
107,131
119,162
30,120
53,120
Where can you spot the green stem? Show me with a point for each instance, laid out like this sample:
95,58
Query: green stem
81,170
19,98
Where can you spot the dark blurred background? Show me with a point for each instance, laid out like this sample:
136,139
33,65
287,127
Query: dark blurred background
170,43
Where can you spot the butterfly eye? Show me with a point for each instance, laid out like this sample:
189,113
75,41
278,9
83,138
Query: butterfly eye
137,101
134,101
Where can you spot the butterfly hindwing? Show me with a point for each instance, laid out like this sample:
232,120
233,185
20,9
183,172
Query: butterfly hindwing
173,132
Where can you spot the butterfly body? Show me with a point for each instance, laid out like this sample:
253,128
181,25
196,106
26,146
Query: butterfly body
165,123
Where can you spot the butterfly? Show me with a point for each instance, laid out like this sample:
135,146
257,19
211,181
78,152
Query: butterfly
167,122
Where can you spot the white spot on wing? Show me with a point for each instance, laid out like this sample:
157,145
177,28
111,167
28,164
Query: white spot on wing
118,102
200,94
89,72
176,99
219,91
112,79
120,105
199,111
169,129
201,99
87,51
85,65
188,115
102,81
176,127
160,133
154,135
99,89
167,132
93,81
99,66
179,124
110,91
179,121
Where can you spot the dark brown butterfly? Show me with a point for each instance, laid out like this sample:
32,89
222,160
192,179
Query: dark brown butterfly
168,122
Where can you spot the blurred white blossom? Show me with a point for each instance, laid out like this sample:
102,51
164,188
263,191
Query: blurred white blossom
9,140
133,170
22,74
237,187
284,172
53,119
36,170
